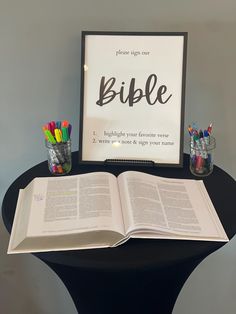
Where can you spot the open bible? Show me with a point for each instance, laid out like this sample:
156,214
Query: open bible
97,210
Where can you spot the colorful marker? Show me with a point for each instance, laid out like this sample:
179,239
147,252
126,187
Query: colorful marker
65,134
209,129
206,137
57,136
50,137
200,149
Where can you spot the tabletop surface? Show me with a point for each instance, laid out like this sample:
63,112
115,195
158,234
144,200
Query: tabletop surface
221,188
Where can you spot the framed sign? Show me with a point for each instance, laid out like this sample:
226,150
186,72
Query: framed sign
132,97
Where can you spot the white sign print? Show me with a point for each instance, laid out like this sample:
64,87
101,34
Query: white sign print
132,97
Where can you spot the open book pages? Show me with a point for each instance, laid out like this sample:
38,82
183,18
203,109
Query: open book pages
99,210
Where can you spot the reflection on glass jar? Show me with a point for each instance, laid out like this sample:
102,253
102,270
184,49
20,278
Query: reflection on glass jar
202,156
59,157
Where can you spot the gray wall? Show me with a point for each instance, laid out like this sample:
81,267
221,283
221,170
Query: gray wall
40,80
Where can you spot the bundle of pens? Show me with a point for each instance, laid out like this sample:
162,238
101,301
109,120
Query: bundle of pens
202,145
58,143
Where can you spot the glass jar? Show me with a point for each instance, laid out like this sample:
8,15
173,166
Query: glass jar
59,157
202,156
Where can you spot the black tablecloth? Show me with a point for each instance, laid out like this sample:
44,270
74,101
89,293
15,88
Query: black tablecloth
142,252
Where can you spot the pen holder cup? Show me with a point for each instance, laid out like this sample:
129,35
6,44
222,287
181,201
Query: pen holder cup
59,157
202,156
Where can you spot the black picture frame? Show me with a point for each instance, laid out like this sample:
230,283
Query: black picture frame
110,106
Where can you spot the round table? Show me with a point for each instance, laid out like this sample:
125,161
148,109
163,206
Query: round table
142,275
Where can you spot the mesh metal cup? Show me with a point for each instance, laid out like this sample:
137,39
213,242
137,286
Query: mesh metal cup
202,156
59,157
